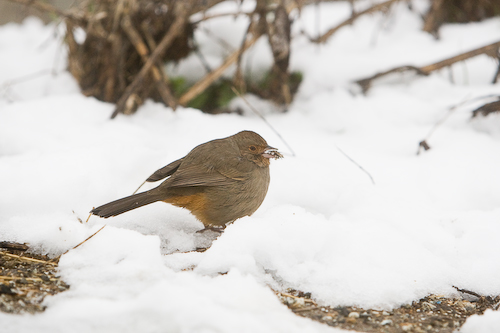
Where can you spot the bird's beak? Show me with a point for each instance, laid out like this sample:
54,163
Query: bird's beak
270,152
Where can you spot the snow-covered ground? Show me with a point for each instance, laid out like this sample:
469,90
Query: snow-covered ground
428,223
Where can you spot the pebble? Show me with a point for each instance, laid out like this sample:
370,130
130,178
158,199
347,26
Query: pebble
327,318
353,314
386,322
385,313
469,306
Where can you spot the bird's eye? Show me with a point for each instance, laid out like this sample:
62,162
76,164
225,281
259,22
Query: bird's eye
253,148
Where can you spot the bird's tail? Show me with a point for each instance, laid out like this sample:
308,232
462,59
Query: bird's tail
123,205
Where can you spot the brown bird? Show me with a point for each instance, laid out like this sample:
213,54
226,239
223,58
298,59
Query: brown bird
218,181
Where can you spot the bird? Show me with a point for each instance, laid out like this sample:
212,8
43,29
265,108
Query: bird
218,181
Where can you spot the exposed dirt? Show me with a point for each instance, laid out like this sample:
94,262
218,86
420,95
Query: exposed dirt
25,280
430,314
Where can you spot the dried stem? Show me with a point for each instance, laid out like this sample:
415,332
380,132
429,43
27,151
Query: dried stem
323,38
28,258
95,233
46,7
9,278
204,83
365,84
141,48
175,29
356,163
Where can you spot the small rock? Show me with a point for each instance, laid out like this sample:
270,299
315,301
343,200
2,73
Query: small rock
469,306
386,322
354,314
385,313
351,320
365,314
326,318
4,289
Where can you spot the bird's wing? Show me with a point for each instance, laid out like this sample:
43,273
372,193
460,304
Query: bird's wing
215,163
197,175
164,172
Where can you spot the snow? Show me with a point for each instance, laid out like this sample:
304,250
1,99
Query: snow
429,222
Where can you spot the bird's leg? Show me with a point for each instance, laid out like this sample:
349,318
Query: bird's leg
215,228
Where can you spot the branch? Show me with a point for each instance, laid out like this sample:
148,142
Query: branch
141,48
27,258
204,83
365,84
464,56
45,7
350,20
174,30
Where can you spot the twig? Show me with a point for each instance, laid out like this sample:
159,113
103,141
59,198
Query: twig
487,108
42,6
225,45
461,57
95,233
353,161
59,256
365,84
77,217
465,291
46,7
141,48
28,258
144,182
426,70
205,82
88,218
14,246
3,277
264,119
423,144
209,17
350,20
175,29
305,309
430,23
27,77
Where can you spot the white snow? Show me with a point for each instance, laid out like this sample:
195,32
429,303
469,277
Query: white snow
428,223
